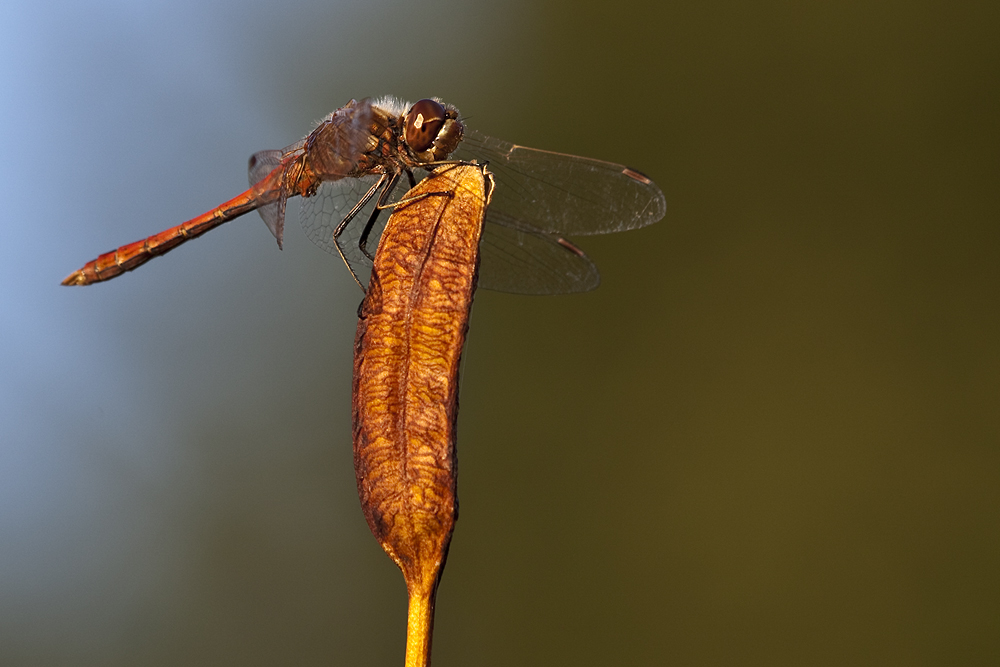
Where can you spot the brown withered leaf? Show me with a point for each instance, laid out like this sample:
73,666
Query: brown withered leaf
411,329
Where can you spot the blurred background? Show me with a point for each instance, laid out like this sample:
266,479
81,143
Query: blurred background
771,437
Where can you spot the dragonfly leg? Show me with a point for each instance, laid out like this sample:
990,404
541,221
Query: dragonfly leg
379,206
409,200
346,221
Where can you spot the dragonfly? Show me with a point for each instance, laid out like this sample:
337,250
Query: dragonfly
362,159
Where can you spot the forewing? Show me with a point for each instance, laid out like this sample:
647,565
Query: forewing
557,193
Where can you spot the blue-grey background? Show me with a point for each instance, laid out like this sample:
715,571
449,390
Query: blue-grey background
771,437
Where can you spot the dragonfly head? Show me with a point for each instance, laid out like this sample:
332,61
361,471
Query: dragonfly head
432,130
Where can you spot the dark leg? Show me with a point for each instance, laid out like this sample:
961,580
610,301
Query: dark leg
350,216
379,205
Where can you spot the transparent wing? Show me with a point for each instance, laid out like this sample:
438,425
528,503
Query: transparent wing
335,146
324,211
531,262
260,165
263,163
514,258
563,194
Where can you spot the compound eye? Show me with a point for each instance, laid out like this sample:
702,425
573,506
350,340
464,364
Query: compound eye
422,123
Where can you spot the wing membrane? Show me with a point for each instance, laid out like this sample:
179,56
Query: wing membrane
540,196
564,194
520,261
324,211
261,164
515,258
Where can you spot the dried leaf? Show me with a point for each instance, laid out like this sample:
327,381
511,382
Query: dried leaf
411,330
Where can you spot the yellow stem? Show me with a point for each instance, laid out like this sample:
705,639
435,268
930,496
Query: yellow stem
419,625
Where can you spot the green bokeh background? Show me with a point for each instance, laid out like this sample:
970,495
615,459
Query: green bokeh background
771,437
